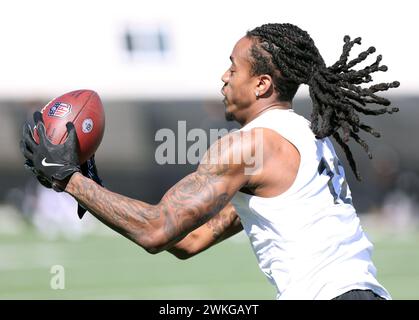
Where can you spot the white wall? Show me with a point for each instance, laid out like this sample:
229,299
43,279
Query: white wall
49,47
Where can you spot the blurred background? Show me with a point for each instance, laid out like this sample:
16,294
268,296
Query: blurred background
154,64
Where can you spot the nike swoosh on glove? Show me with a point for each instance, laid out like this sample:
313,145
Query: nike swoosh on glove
52,163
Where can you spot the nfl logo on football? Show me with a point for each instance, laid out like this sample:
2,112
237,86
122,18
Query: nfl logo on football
59,110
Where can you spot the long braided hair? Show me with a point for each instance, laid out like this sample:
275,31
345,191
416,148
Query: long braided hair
290,56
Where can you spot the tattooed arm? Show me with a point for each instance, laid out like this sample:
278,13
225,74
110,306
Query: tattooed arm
187,205
222,226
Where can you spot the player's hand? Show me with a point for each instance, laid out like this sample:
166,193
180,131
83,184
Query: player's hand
89,170
53,164
42,180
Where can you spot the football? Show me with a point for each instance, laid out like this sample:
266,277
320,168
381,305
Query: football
85,110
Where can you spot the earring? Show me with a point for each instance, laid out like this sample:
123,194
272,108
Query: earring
257,94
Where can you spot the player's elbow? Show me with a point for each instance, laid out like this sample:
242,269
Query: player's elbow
178,253
186,248
181,253
154,243
153,250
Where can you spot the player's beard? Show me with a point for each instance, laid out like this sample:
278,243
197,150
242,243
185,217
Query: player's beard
228,115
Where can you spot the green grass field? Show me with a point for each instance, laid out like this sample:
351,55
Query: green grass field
111,267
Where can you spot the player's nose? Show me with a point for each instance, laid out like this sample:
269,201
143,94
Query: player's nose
225,77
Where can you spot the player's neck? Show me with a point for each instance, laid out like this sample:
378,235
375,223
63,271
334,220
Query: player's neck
257,111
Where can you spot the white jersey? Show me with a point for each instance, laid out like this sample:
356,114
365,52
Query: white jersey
308,240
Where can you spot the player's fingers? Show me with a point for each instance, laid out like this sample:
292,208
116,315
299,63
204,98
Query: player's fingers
25,151
29,165
27,136
37,117
72,135
40,127
42,134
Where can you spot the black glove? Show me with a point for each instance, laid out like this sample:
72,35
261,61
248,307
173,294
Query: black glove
89,170
42,180
52,164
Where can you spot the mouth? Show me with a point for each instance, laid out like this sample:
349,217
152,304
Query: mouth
224,95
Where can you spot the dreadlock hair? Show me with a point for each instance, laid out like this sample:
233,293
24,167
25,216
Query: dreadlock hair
290,57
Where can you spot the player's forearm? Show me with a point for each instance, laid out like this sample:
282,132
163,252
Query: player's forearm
193,244
186,206
134,219
222,226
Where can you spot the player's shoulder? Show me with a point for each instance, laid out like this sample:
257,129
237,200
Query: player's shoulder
232,150
266,137
240,142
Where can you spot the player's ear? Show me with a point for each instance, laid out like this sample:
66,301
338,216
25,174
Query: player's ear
264,84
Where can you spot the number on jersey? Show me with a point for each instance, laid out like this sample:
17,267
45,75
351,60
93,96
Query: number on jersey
337,183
